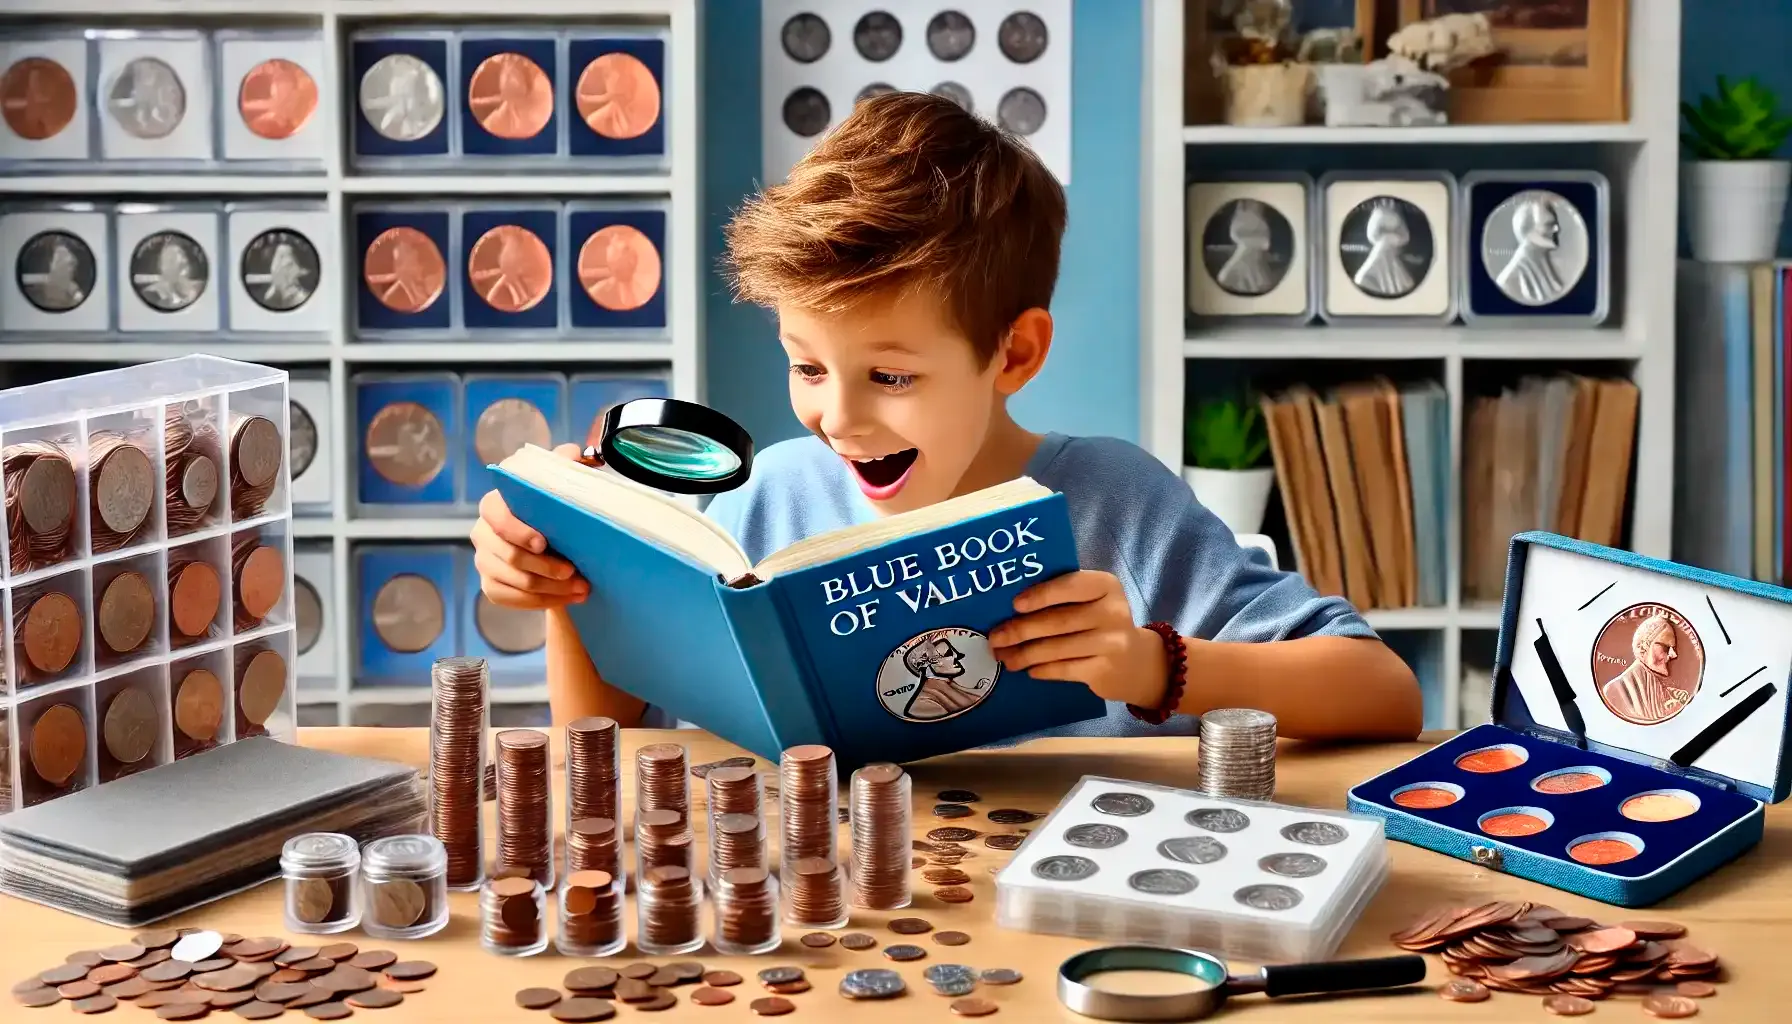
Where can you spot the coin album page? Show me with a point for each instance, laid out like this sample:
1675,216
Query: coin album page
1131,862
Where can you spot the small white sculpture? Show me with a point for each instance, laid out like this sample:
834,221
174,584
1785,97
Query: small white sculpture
1407,87
1446,43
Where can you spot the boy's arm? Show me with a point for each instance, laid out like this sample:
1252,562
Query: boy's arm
1318,687
575,690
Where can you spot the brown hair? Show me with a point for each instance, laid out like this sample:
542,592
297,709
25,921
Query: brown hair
909,191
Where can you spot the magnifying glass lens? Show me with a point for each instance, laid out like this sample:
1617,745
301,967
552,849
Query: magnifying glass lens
678,453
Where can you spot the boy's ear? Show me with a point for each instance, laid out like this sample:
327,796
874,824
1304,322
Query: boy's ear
1023,351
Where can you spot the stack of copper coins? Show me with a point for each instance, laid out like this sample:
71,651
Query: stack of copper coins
122,484
457,721
735,790
661,782
738,841
814,893
746,912
256,452
194,592
525,826
668,903
259,573
593,844
512,916
663,839
809,802
880,837
593,769
590,915
40,504
190,453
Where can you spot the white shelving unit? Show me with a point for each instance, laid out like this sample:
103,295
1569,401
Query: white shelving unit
1639,156
684,268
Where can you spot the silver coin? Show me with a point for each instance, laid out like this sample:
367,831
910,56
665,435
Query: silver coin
196,946
1535,247
1095,836
147,99
1122,805
955,989
1314,833
510,630
941,973
1247,247
780,975
877,36
1292,865
1022,37
1021,111
904,952
874,89
1386,246
1001,976
806,38
1268,897
1192,849
401,97
55,271
1218,819
1065,868
950,35
169,271
280,270
304,438
872,983
199,482
956,93
1162,882
308,612
125,489
1238,718
806,112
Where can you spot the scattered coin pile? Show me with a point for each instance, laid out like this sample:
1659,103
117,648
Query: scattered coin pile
1237,755
185,974
1571,961
457,765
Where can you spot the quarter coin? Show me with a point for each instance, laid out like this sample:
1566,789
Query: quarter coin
1122,805
408,613
872,983
619,267
58,744
276,99
37,98
510,268
1268,897
1314,833
130,725
1192,849
618,97
55,271
401,97
1095,836
406,444
510,96
404,270
1292,865
505,426
1000,976
280,270
1162,882
147,99
1065,868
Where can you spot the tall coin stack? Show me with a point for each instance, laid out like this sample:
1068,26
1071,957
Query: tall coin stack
525,824
880,798
737,839
593,769
662,809
1238,754
809,803
457,721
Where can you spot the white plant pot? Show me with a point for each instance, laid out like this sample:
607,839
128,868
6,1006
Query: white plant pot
1734,208
1238,496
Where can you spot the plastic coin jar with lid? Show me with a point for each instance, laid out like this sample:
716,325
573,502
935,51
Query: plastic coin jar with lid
319,870
404,887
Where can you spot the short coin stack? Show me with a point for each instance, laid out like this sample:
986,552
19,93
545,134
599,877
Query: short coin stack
662,808
1237,757
457,766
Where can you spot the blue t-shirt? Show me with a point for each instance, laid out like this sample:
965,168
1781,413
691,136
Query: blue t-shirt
1132,517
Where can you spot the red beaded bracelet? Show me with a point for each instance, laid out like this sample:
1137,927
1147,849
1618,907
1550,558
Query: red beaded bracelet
1177,676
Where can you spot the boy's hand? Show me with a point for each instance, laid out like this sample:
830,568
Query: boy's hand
1078,627
513,569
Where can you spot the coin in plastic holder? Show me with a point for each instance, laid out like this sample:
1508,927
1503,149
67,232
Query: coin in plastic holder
168,268
39,98
675,446
274,267
54,274
270,94
154,96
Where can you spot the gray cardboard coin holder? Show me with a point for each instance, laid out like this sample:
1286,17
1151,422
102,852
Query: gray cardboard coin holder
1587,300
187,54
252,309
90,226
1293,201
312,404
67,48
1130,862
134,226
1432,298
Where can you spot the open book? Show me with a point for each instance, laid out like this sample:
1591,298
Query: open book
870,639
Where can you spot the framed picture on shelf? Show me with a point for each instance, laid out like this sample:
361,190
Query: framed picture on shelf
1560,60
1210,25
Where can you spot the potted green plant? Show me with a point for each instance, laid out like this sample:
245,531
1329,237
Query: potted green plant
1224,448
1733,188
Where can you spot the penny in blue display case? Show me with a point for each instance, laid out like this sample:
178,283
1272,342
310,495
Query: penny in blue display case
505,412
406,605
619,267
513,641
1536,248
1639,726
511,256
615,87
590,394
398,83
403,252
407,429
508,80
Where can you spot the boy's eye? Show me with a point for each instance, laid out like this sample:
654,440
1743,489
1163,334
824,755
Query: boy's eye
893,381
806,371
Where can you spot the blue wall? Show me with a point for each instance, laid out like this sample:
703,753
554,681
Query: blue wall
1738,38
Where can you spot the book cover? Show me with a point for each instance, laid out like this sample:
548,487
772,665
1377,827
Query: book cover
881,654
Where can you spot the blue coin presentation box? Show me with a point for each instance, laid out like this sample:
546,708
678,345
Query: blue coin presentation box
1635,677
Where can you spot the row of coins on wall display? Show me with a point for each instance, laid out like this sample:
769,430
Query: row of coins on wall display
426,438
415,603
1505,248
420,98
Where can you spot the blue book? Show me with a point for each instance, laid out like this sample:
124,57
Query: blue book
870,640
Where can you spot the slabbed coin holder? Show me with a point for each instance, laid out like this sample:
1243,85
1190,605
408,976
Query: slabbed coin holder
406,450
590,395
1639,727
1127,862
121,651
406,606
513,641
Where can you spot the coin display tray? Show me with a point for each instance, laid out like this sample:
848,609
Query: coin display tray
423,603
485,439
1573,611
386,309
1584,304
590,395
313,598
448,134
1105,906
803,94
133,400
193,114
416,398
313,478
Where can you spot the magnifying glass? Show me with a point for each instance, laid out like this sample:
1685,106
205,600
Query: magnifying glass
1207,982
674,446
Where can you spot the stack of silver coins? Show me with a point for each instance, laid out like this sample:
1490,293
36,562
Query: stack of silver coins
457,723
1238,754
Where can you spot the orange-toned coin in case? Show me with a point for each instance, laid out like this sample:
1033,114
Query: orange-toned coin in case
37,98
511,96
618,96
277,98
404,270
619,267
510,268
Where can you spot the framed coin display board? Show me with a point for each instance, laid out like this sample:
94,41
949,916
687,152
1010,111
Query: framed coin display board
1535,247
1559,62
1250,248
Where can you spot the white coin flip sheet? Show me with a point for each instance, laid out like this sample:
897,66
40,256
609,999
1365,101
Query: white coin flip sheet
1132,862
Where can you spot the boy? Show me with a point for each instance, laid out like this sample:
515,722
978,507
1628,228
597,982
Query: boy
910,259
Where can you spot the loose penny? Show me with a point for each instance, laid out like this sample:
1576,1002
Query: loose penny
590,979
857,941
973,1006
1567,1005
258,1010
1696,989
1667,1007
818,940
151,958
63,974
902,953
582,1009
780,975
953,894
287,975
373,959
78,989
409,988
911,926
951,938
665,977
639,971
85,957
181,1010
634,990
293,954
376,998
662,999
167,970
537,998
96,1004
328,1011
108,974
721,979
411,970
957,796
789,988
37,998
129,988
771,1006
1654,929
282,991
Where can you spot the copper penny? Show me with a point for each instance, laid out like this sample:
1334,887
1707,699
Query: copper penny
37,98
276,99
511,96
262,685
590,979
328,1011
412,970
193,600
857,941
771,1006
261,581
407,987
406,444
404,270
711,997
127,611
618,96
256,450
1493,759
1513,825
973,1006
48,487
951,938
1696,989
173,1010
63,975
58,744
52,632
1647,664
37,997
1655,929
537,998
638,971
721,979
408,613
1670,1007
505,426
117,955
1656,807
94,1004
619,267
1425,798
510,268
1567,1005
199,705
376,998
818,940
581,1009
78,989
910,926
129,988
130,725
229,1000
953,894
1568,782
1602,851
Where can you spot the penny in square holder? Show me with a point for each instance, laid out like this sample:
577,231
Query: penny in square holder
1639,728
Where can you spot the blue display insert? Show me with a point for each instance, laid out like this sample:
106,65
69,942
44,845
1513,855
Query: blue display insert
404,402
582,140
545,392
583,225
594,393
544,224
403,589
1588,193
508,626
475,139
373,314
365,53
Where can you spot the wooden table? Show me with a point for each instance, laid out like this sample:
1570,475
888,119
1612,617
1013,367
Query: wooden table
1744,912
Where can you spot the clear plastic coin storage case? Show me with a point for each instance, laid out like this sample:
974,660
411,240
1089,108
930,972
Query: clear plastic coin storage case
1124,861
166,99
521,98
319,871
1535,248
147,562
1385,248
407,602
404,887
1639,723
407,450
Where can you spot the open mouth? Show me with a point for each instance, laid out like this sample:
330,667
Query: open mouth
881,473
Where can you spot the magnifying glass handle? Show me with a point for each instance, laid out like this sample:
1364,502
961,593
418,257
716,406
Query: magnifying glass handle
1343,975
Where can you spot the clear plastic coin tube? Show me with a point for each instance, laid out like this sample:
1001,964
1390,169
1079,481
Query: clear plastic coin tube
404,887
808,799
513,916
745,901
881,813
319,869
668,902
815,894
593,769
592,844
458,721
590,915
738,841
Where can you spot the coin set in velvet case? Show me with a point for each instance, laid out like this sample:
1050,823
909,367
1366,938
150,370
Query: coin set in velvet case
517,97
1639,724
1509,248
530,268
216,272
1132,862
165,99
